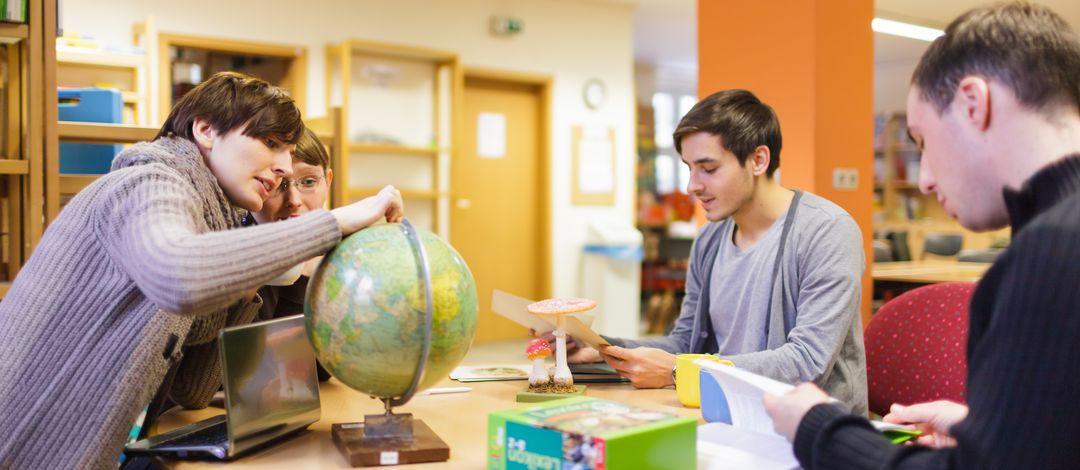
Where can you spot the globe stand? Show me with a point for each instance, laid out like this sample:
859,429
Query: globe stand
388,438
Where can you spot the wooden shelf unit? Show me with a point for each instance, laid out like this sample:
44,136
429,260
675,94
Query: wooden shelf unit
160,46
127,72
28,90
399,109
931,218
96,133
13,32
327,128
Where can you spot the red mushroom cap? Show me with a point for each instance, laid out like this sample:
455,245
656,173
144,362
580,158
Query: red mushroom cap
538,348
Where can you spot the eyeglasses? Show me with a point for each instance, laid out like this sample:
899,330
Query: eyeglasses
304,184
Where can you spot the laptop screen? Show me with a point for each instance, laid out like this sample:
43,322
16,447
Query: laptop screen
271,386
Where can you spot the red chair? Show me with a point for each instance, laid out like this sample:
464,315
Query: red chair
916,347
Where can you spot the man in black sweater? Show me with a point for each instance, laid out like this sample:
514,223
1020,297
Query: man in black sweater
995,108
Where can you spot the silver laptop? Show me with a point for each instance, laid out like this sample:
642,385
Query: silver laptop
271,392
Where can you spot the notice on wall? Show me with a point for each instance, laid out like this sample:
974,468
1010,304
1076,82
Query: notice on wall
491,135
596,170
594,165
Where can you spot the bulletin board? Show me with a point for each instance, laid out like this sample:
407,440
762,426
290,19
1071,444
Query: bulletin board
593,166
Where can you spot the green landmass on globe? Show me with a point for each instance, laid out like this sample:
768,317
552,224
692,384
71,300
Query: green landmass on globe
365,308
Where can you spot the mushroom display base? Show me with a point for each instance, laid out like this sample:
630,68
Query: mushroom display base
531,396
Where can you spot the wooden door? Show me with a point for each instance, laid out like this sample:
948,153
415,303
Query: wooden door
498,204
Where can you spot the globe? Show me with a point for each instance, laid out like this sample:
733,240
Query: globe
366,305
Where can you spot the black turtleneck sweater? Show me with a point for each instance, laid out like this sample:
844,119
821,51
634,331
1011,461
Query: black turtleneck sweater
1023,387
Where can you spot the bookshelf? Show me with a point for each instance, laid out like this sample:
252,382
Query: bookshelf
899,204
399,104
94,133
184,60
25,68
327,128
83,67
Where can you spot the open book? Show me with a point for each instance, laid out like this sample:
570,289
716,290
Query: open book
740,401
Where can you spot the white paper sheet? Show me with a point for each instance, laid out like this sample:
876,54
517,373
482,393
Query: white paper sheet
491,135
582,333
723,446
516,308
596,166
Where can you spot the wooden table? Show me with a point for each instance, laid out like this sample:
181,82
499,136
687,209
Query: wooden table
460,419
929,271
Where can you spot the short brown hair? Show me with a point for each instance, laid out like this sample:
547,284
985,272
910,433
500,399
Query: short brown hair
740,120
310,150
1028,48
229,100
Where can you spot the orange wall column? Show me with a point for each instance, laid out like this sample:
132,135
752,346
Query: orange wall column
812,61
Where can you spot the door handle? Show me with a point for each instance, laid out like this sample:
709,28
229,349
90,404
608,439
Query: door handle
464,203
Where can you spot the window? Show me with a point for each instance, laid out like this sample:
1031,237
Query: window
671,174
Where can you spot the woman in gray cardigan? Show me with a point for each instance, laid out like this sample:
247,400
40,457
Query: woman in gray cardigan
148,260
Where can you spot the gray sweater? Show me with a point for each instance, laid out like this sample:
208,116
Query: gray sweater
818,338
143,264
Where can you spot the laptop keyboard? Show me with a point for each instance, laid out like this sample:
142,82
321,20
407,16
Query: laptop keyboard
216,435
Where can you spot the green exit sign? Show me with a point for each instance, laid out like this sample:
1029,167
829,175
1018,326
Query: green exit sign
505,25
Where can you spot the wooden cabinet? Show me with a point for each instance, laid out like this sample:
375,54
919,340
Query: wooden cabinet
22,136
398,109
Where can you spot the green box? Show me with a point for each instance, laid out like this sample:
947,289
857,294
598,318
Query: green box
583,433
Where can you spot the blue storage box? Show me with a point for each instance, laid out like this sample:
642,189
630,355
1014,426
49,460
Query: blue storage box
89,105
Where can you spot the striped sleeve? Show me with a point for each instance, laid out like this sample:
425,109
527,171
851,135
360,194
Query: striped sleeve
154,227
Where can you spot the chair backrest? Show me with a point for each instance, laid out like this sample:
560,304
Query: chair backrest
882,251
916,347
899,243
979,256
942,244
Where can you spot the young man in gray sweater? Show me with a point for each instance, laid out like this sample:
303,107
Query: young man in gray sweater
774,282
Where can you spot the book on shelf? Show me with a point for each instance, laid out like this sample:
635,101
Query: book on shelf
13,11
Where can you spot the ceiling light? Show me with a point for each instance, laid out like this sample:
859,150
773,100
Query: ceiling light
906,30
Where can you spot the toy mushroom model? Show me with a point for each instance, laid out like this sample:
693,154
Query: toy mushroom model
559,308
537,350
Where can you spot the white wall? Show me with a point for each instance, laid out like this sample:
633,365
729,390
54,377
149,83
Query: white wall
570,40
891,83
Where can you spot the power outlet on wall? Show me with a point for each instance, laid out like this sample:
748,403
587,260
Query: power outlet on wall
845,179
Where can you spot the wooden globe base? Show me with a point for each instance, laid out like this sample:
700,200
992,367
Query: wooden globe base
361,449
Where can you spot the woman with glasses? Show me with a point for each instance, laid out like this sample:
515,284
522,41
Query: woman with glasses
304,192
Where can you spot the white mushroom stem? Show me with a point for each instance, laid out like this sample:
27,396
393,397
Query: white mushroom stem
562,371
539,375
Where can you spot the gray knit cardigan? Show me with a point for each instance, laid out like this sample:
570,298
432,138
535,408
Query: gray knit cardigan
142,266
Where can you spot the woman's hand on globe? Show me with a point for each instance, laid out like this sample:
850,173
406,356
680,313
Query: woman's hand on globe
387,204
